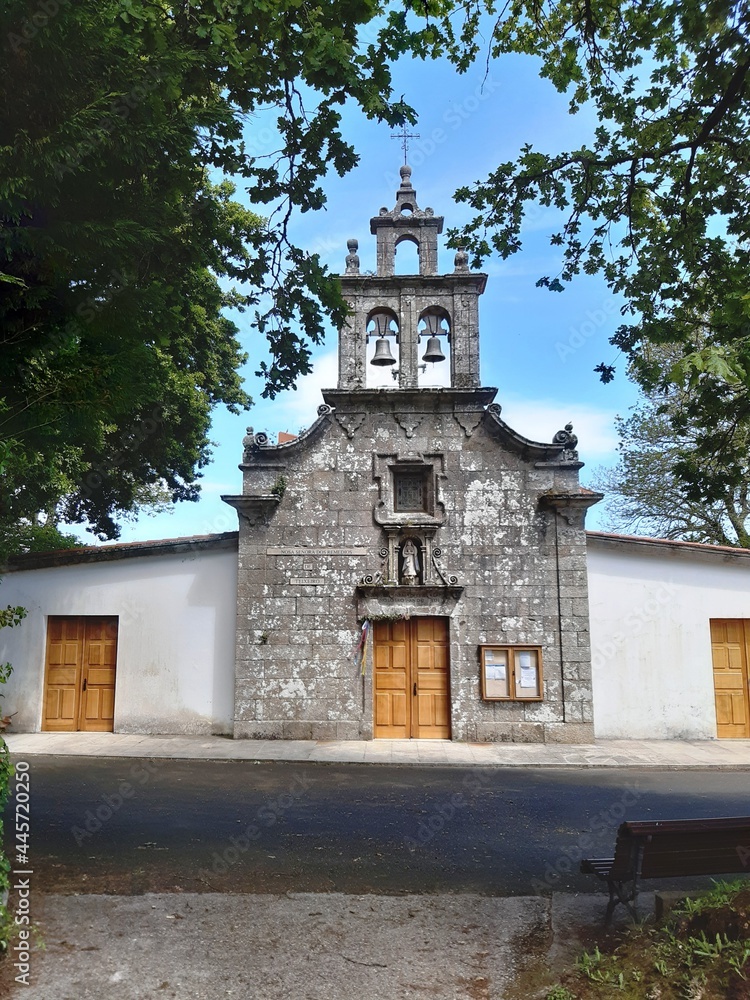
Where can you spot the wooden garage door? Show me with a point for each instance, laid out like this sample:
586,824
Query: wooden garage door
730,647
412,679
80,675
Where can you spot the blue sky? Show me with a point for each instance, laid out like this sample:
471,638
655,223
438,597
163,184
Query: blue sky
537,347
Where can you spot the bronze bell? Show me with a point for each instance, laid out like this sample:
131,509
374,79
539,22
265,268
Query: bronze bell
382,354
434,351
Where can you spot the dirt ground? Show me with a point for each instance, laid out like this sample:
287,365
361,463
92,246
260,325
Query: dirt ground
303,946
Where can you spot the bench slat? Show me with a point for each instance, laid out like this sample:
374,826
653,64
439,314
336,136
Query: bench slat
643,827
677,847
597,866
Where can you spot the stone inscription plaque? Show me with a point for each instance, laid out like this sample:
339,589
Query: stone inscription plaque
302,550
307,581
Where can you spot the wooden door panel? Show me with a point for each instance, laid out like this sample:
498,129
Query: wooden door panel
100,654
94,653
412,693
80,674
382,709
392,710
442,709
424,656
60,709
730,651
398,630
63,675
391,680
730,710
91,704
422,629
98,710
424,709
101,676
108,702
430,643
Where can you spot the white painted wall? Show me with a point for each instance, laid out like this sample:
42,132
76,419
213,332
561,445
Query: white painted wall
175,657
650,639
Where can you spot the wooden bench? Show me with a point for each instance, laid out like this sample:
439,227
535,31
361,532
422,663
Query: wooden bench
667,849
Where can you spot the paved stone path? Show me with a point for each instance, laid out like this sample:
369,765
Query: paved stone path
728,754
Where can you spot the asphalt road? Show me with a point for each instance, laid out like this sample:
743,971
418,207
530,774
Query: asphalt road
132,826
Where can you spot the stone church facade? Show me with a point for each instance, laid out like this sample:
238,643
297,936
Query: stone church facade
410,566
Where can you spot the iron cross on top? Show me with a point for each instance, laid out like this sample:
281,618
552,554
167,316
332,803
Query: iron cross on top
404,136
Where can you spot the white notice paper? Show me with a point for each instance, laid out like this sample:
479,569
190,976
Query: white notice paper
528,677
528,670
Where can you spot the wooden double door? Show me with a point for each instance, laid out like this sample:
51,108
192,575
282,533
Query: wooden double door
730,649
79,692
412,679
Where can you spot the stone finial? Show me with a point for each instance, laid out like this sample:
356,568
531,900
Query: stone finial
247,444
251,442
352,258
568,441
461,261
405,172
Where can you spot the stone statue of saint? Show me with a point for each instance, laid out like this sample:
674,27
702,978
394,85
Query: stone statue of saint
410,571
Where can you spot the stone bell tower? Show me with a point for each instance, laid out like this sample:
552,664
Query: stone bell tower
409,310
411,567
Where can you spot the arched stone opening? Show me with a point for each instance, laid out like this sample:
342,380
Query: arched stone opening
406,250
434,337
381,325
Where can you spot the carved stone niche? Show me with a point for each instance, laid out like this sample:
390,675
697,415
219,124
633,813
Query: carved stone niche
411,568
410,561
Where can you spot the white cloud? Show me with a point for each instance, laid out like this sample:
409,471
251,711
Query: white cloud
539,419
294,411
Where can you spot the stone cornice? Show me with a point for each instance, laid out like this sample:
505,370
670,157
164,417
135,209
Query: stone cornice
477,280
538,451
419,400
579,500
262,452
378,601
